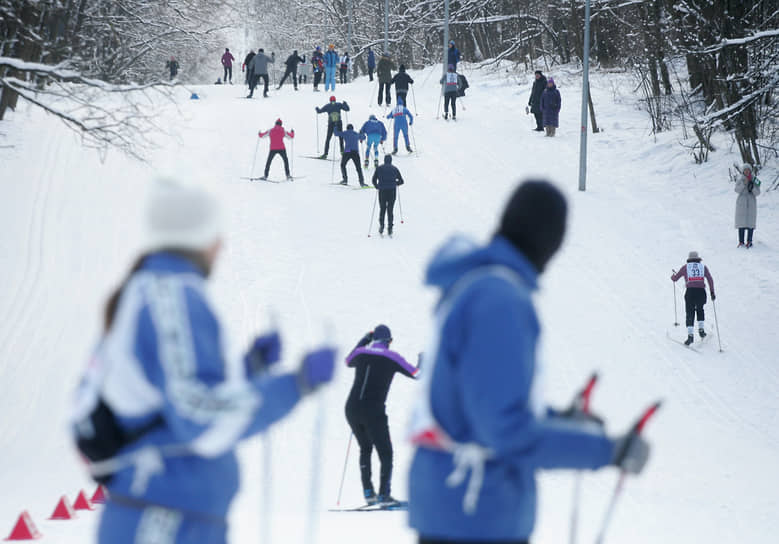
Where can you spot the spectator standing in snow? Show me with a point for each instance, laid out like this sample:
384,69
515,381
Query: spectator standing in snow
351,152
331,66
478,415
158,403
550,107
227,64
334,123
317,66
539,85
401,81
387,179
346,62
384,71
453,55
371,63
277,147
398,116
173,67
694,273
748,188
260,68
247,66
292,69
451,90
375,366
375,132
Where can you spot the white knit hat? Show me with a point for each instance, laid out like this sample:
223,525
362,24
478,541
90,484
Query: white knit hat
181,217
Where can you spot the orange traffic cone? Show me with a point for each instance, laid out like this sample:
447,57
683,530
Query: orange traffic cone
82,503
24,529
63,510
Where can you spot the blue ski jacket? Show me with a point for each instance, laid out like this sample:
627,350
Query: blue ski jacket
351,138
371,59
374,126
482,391
164,357
398,114
332,59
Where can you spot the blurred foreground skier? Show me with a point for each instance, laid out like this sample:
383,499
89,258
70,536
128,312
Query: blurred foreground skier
375,365
479,414
159,413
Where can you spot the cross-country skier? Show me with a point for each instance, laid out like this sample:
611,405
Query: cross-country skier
331,66
694,273
398,116
317,66
450,81
351,152
539,85
387,179
480,430
277,135
227,63
334,122
384,71
453,55
343,67
550,107
260,69
292,69
375,365
158,414
247,66
375,132
401,81
371,63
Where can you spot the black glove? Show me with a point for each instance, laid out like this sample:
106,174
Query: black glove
365,340
344,103
713,296
750,186
631,453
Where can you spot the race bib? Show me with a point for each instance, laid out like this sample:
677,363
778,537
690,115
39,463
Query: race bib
695,271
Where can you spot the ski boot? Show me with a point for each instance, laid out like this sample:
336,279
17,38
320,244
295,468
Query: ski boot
395,151
689,340
375,163
365,164
381,230
363,185
741,244
370,497
702,333
289,178
389,232
263,178
344,182
749,245
388,500
454,117
408,148
323,156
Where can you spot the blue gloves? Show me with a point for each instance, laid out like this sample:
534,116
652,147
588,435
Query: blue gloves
265,351
316,369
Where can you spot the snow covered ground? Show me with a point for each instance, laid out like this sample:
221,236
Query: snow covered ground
69,225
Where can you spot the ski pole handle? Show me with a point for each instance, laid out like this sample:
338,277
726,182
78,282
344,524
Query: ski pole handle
583,398
638,427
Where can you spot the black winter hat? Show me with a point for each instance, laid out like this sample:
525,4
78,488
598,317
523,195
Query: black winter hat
534,221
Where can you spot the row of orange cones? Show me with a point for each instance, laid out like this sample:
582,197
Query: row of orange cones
25,528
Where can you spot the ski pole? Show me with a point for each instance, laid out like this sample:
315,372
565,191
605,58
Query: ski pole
634,432
716,323
332,168
438,108
373,213
317,134
676,314
581,403
254,160
343,474
400,206
414,96
414,138
292,159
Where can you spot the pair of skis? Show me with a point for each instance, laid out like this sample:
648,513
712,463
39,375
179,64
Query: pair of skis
294,178
389,507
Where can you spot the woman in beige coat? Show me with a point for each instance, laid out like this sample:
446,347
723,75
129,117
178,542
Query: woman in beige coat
747,187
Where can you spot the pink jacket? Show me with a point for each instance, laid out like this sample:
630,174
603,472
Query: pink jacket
227,59
696,281
277,134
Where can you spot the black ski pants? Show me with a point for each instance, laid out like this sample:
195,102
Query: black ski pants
387,206
228,73
287,73
400,94
342,73
370,428
353,156
694,299
384,89
370,73
317,79
450,97
271,155
332,126
539,120
423,540
256,81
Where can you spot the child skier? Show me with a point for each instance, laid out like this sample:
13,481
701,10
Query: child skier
375,366
277,135
351,152
334,123
387,179
374,130
398,116
695,297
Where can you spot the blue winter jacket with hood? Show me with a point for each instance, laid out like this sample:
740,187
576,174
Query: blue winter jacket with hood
482,390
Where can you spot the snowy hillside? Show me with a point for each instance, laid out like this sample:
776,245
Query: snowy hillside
69,225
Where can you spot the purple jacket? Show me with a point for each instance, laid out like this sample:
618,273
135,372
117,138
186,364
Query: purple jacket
694,273
227,59
375,365
550,106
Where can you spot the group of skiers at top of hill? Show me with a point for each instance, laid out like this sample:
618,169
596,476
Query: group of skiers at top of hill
158,416
545,103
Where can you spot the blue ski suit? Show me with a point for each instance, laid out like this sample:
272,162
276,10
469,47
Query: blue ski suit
398,116
332,60
374,130
163,358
